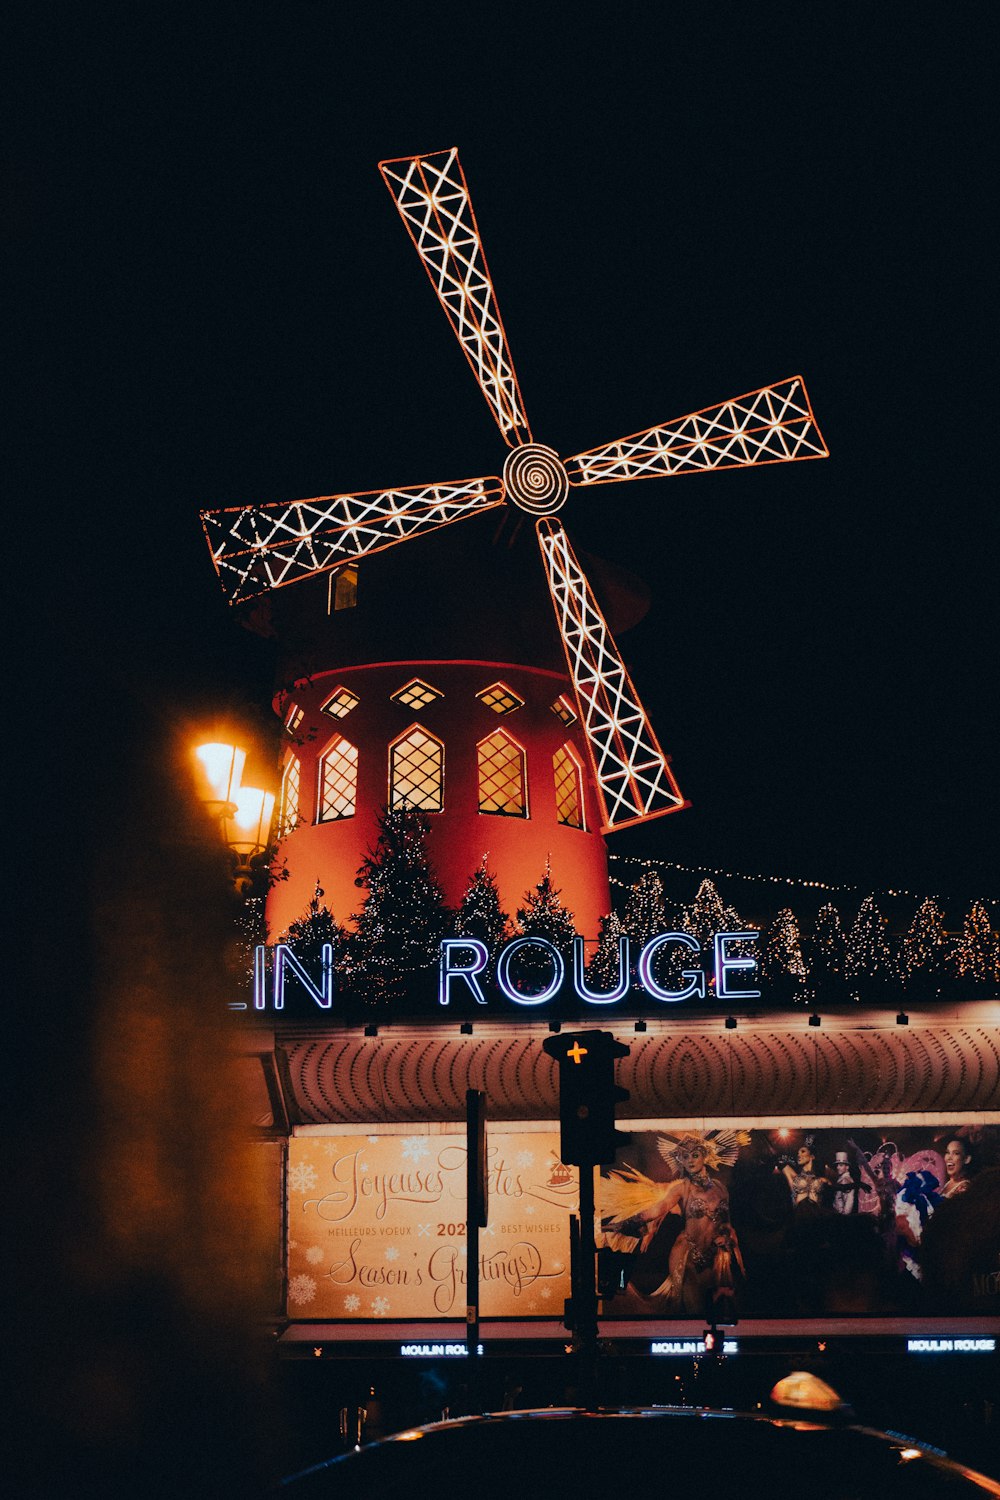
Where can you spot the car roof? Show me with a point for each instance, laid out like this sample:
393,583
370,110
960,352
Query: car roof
583,1451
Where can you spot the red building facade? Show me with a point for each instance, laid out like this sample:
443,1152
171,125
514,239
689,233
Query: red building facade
491,752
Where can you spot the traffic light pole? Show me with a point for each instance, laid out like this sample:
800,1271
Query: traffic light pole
585,1293
588,1095
472,1310
476,1216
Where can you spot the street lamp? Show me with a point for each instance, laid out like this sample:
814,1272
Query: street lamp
247,830
243,813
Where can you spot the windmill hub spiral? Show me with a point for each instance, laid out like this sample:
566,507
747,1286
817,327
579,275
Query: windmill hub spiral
535,479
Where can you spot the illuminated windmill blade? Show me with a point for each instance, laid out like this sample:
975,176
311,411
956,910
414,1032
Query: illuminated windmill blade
774,425
263,547
433,199
631,772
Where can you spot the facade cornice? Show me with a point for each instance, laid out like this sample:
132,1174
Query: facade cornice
864,1064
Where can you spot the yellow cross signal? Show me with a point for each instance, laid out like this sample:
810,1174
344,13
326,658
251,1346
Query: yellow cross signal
576,1052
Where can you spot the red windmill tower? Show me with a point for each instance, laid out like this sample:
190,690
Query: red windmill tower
553,759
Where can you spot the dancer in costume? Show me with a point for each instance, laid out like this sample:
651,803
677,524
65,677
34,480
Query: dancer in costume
633,1207
847,1184
878,1189
957,1167
919,1180
805,1183
902,1194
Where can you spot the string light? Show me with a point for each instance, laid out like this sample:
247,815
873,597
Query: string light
815,885
632,776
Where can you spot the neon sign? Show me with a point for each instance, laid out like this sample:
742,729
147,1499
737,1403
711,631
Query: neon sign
464,959
285,962
463,964
951,1346
436,1351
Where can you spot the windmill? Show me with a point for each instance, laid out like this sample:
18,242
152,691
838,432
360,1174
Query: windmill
259,548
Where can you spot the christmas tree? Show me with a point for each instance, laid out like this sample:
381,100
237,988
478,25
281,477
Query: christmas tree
925,947
307,934
976,957
644,917
733,922
870,967
645,910
480,914
827,969
251,931
782,966
706,916
543,915
404,918
604,971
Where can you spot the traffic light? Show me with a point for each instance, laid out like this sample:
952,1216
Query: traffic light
710,1338
588,1095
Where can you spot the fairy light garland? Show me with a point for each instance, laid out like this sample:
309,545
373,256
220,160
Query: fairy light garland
813,885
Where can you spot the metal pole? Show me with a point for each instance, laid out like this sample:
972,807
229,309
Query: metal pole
585,1293
574,1270
476,1212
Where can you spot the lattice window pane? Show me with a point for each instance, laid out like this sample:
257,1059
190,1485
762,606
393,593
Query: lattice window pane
501,777
569,788
338,782
416,772
340,703
416,694
501,698
564,710
294,718
288,813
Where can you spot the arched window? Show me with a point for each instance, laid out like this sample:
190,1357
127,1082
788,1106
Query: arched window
288,807
416,771
569,787
502,782
338,781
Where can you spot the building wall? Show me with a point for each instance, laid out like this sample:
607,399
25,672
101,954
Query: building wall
516,848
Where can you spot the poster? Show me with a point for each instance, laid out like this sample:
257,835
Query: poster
797,1223
897,1220
376,1227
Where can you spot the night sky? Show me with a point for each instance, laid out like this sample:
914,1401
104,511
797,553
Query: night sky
220,305
211,301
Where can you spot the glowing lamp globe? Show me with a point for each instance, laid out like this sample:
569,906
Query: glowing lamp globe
247,831
218,769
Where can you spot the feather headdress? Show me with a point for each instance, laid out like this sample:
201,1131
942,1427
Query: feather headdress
721,1147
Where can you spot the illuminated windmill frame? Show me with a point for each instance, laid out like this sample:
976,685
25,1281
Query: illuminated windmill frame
264,547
